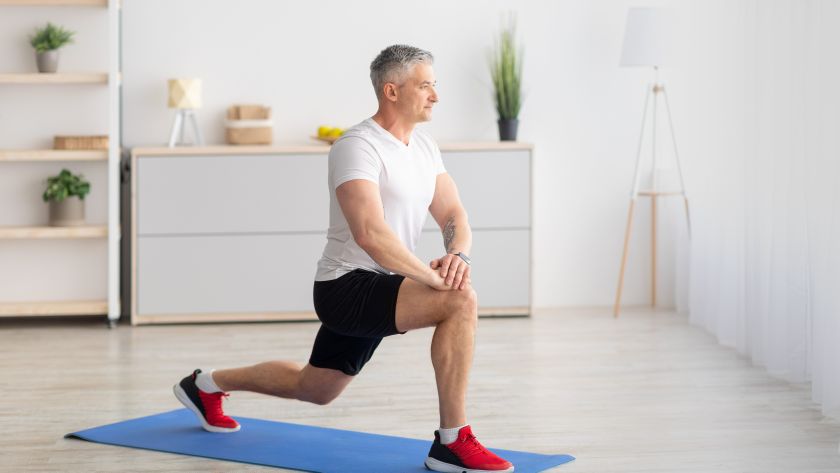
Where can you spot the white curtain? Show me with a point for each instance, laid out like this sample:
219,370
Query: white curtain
763,264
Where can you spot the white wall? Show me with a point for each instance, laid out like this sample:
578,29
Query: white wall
582,111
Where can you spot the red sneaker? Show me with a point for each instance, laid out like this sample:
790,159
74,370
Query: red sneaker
465,455
207,406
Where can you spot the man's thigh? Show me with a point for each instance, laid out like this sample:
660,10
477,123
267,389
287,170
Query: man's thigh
419,306
344,353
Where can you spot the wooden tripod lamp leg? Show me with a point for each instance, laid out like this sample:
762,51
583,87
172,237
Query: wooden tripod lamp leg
653,250
617,306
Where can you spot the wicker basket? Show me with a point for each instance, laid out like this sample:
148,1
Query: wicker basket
81,142
249,125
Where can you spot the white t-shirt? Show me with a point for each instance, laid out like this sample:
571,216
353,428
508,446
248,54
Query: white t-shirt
406,175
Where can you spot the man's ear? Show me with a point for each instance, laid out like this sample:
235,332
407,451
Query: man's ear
390,91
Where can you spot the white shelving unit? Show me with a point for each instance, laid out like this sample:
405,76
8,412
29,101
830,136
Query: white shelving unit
9,235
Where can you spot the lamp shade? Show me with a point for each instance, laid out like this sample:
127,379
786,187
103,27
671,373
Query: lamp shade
645,37
185,93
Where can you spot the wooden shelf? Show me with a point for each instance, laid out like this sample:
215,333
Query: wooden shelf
55,3
11,155
658,193
53,308
35,78
36,233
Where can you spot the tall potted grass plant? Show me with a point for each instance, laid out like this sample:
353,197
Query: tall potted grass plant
506,73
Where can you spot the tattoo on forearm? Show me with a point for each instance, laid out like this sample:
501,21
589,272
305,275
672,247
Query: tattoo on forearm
449,234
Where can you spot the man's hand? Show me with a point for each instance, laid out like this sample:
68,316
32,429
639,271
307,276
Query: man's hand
435,281
454,270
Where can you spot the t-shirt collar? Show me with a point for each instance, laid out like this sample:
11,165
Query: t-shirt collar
393,138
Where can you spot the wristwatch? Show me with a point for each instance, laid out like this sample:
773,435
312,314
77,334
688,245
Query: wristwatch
463,257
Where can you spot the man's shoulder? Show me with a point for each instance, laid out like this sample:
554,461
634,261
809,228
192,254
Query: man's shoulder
359,135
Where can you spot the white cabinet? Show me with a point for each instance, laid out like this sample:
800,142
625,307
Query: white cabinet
226,274
235,233
232,194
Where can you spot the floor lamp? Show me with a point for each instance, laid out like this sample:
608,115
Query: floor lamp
645,45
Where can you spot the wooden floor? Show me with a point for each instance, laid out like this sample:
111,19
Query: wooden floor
644,393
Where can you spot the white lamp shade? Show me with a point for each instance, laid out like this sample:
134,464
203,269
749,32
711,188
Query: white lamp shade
185,93
645,37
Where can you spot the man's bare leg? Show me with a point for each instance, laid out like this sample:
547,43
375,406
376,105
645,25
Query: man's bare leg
285,379
454,316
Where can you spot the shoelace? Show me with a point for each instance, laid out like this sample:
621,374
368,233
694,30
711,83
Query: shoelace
213,404
471,446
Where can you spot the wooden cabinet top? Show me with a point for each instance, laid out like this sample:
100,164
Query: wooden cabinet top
311,149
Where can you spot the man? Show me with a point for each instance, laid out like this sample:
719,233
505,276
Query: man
384,177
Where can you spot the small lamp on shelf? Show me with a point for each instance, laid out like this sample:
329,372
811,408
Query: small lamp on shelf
185,96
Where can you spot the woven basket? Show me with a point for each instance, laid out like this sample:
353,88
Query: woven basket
81,142
249,125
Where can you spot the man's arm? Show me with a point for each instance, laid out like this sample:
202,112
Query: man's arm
362,207
450,215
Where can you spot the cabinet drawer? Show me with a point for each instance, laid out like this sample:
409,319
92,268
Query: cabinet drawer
232,194
495,187
501,264
226,274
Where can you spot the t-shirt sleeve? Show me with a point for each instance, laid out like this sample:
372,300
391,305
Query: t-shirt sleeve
439,169
353,158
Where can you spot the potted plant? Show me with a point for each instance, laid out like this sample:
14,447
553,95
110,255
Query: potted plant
66,193
506,72
46,41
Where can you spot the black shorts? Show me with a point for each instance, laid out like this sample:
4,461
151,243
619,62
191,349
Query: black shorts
356,311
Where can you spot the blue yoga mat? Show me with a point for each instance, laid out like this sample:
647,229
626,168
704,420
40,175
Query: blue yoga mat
291,446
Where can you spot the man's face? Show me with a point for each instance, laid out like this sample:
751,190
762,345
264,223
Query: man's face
417,94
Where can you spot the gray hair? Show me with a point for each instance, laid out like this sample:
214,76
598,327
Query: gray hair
394,62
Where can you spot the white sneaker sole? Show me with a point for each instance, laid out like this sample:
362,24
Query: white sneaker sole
437,465
185,400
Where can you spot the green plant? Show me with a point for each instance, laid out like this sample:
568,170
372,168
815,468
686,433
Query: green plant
64,185
506,72
50,37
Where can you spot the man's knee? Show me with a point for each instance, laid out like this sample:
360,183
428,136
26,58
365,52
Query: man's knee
319,398
464,304
318,395
320,386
